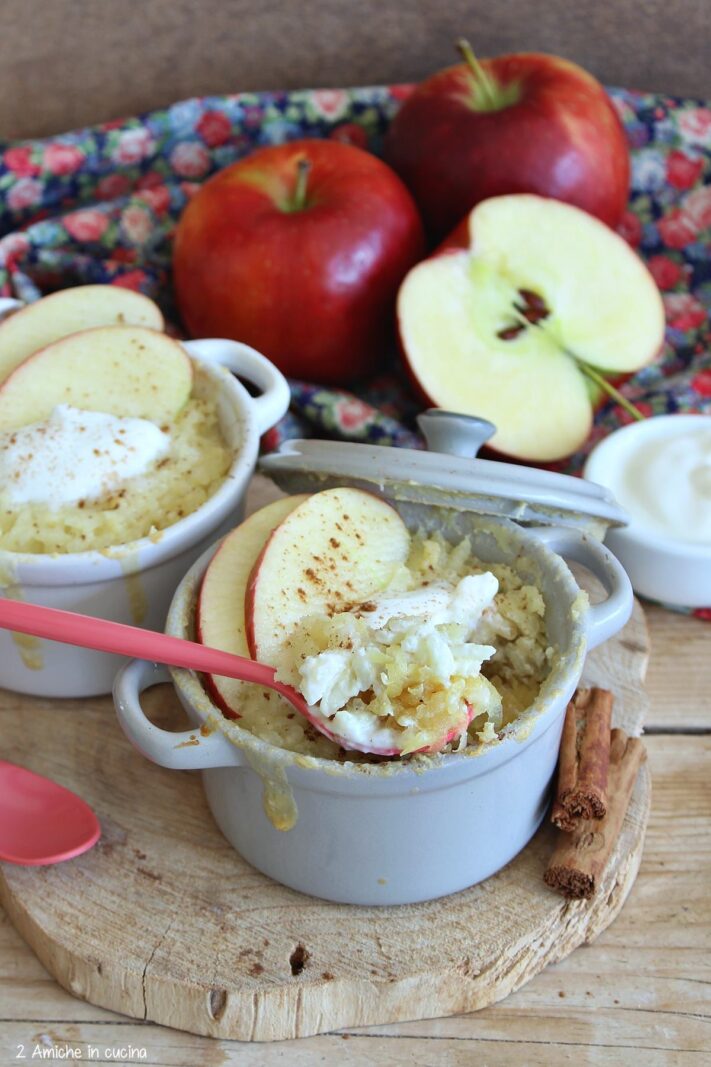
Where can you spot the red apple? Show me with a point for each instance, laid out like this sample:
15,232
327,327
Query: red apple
514,328
299,250
523,123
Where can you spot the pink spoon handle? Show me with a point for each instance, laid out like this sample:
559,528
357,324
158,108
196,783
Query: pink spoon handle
102,635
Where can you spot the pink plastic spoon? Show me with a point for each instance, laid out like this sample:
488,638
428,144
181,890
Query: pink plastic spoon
41,822
103,635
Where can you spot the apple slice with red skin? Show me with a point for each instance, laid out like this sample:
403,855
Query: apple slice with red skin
220,616
70,311
511,328
336,550
120,370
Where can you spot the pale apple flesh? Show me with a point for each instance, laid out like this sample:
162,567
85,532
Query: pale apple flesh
220,619
71,311
336,550
475,341
119,370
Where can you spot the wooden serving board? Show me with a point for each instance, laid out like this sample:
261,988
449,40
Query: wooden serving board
164,921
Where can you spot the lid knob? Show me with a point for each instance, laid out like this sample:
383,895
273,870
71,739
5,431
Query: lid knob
453,434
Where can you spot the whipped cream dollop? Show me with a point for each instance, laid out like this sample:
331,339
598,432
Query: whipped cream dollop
428,632
76,455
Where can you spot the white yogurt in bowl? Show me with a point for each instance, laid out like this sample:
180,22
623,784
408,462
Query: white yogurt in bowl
660,471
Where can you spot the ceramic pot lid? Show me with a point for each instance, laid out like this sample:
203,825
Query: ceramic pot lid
448,475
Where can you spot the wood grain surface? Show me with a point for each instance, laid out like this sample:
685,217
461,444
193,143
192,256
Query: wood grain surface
639,994
162,920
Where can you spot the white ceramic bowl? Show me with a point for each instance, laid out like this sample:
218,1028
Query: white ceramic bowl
661,568
404,831
135,584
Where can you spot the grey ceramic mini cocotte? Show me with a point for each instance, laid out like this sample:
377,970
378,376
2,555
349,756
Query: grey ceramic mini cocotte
401,832
134,583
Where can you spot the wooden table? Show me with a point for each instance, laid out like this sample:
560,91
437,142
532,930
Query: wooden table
641,994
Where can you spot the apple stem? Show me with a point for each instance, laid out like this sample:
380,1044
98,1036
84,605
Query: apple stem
608,388
588,371
486,84
302,178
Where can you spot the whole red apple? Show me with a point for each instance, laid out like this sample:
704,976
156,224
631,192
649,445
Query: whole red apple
525,123
299,250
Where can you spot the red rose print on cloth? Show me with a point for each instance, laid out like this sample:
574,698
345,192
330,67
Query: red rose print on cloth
157,198
701,383
695,123
666,272
697,208
215,128
133,279
25,193
190,159
112,187
133,145
150,180
136,224
19,161
330,102
124,255
630,228
13,248
684,312
353,413
62,158
682,171
86,225
676,230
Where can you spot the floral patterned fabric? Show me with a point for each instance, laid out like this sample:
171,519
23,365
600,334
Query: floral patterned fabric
101,204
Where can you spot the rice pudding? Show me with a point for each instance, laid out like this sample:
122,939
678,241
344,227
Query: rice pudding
83,480
446,632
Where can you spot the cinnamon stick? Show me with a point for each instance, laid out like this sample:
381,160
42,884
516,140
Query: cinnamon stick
580,857
584,759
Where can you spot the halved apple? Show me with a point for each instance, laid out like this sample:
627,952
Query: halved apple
512,328
71,311
121,370
220,617
336,549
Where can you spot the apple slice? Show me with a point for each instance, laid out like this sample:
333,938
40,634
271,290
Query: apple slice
120,370
220,617
336,549
512,328
70,311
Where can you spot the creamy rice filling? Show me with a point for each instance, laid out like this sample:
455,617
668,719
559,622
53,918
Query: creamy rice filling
501,683
176,483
